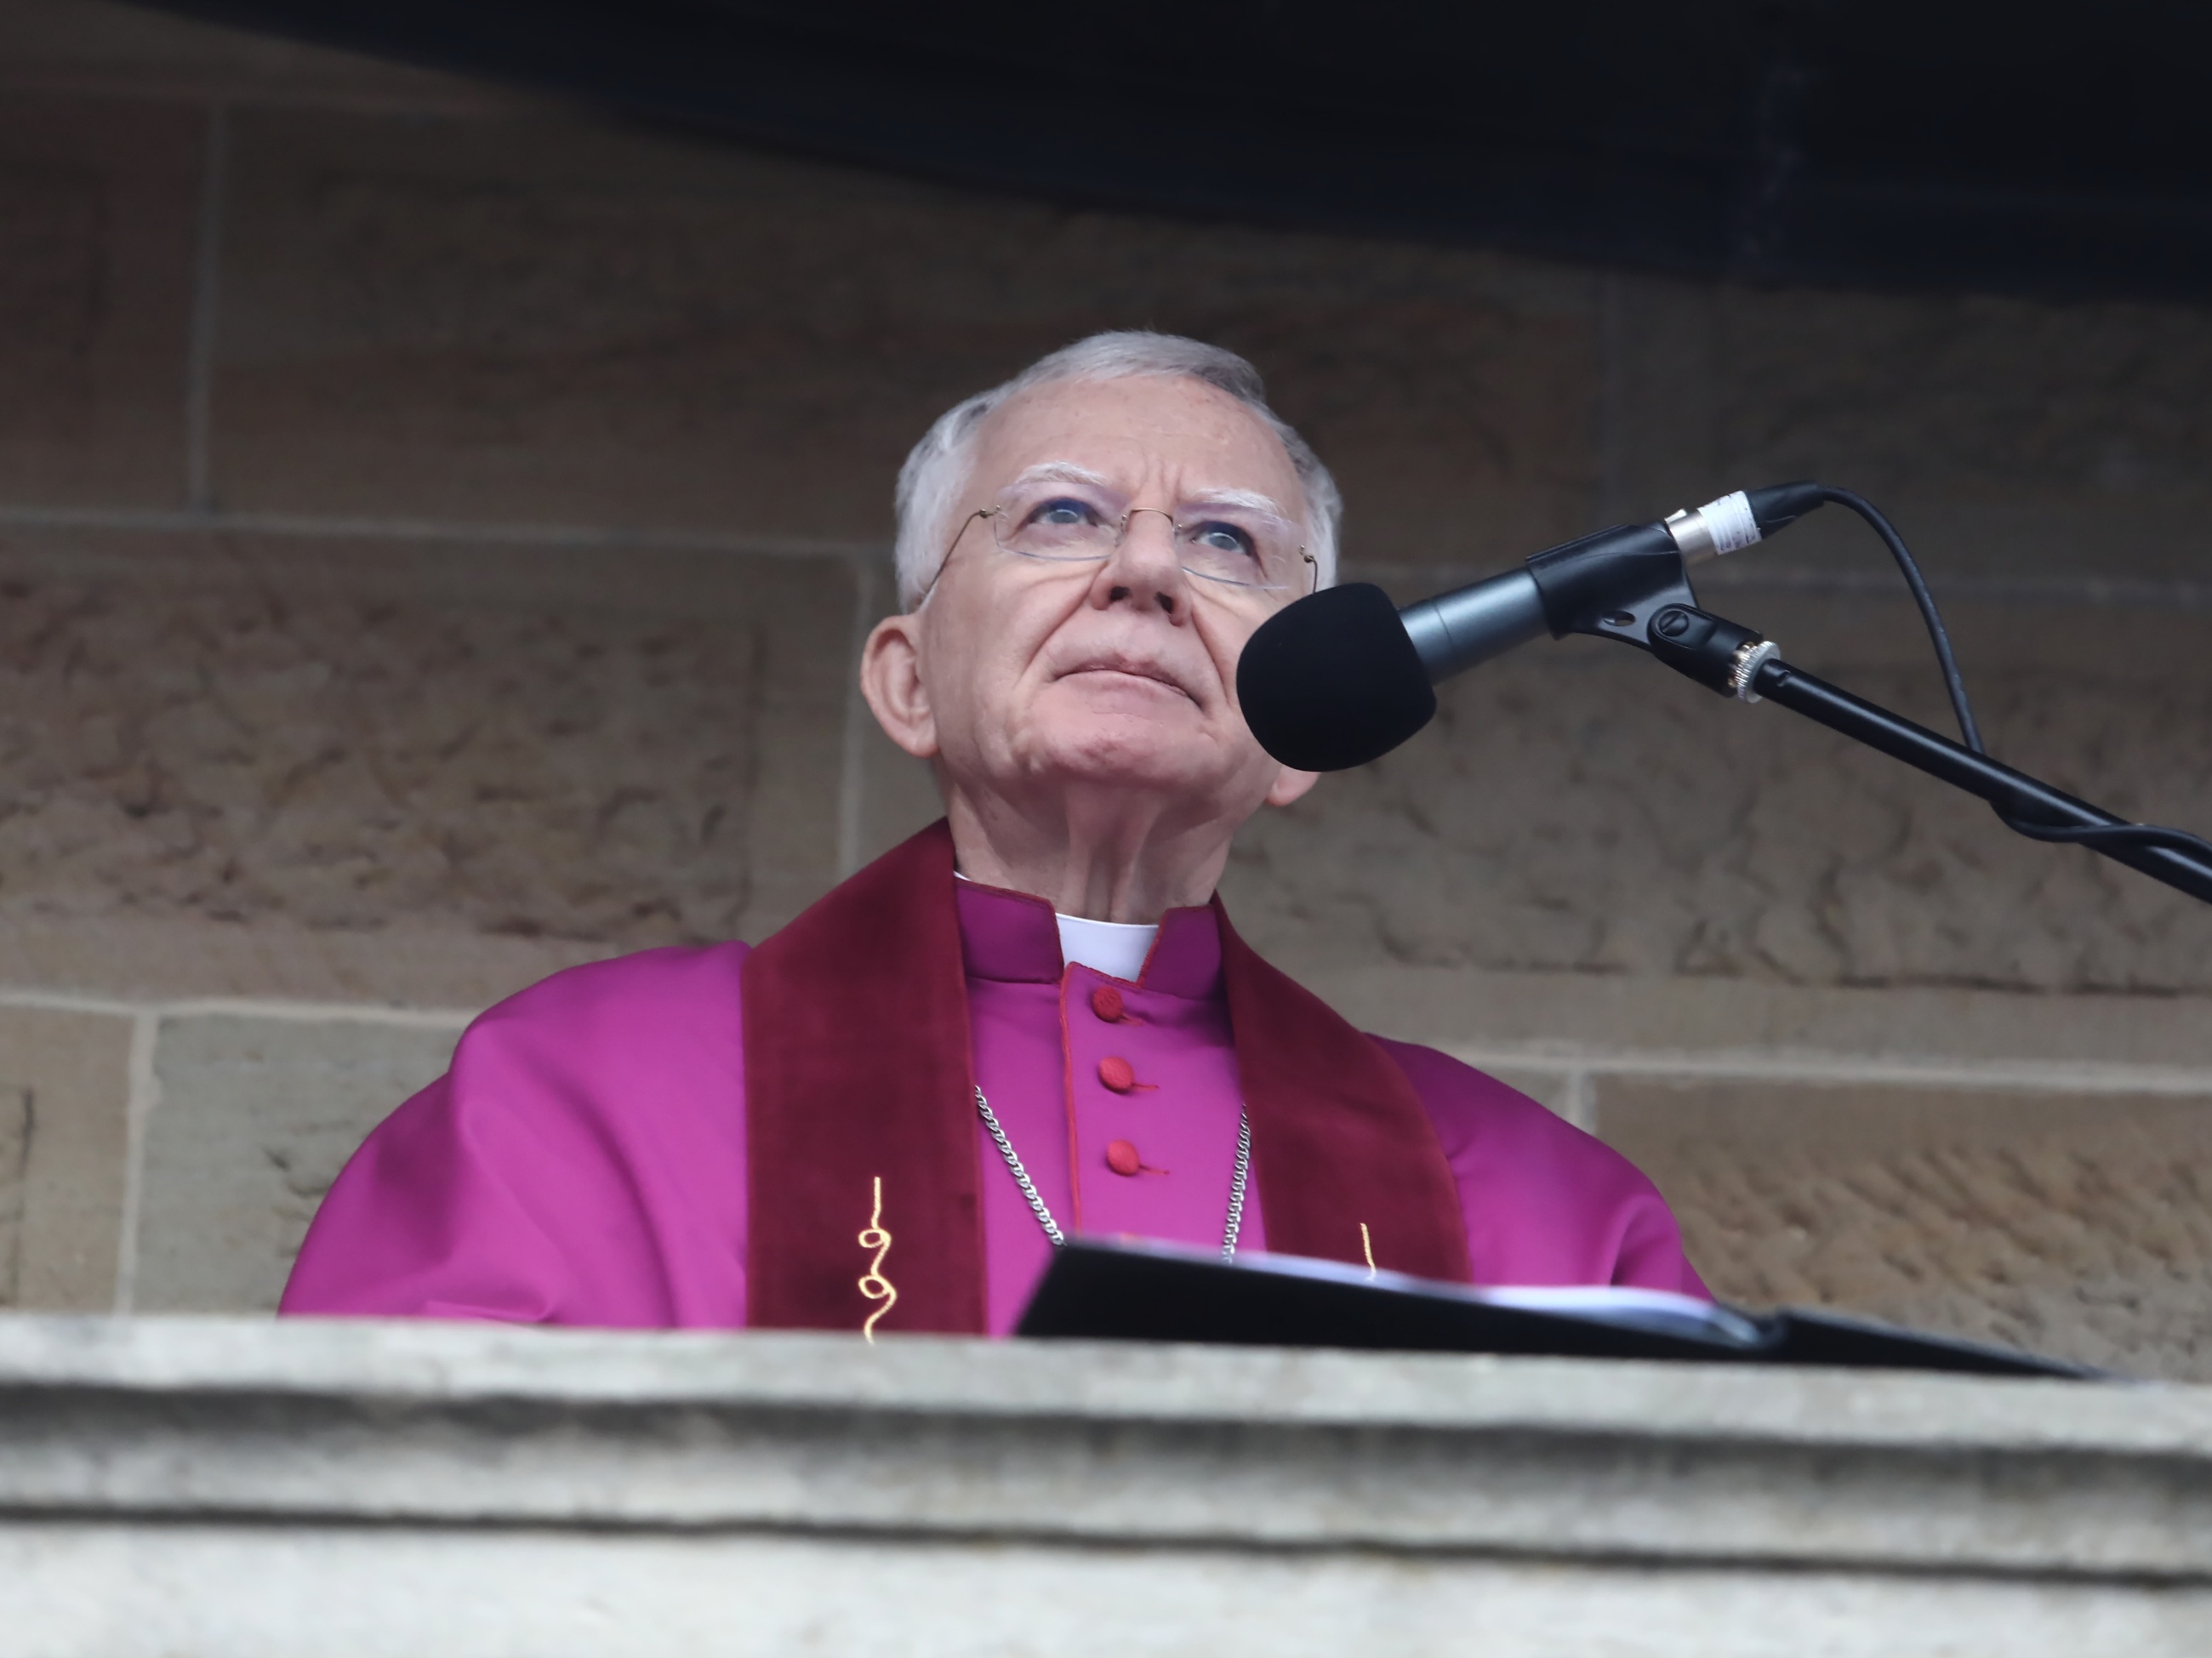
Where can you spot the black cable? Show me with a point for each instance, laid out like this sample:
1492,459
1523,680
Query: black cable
2107,835
2111,834
1940,635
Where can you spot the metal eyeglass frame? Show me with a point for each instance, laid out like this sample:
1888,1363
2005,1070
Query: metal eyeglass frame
1121,534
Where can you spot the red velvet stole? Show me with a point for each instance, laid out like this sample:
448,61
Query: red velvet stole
859,1068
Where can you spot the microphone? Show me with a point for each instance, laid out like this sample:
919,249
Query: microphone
1343,676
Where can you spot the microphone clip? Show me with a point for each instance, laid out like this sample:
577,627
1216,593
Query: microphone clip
1632,584
1611,585
1614,584
1721,655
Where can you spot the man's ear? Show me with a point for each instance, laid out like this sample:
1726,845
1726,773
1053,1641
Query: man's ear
891,678
1291,785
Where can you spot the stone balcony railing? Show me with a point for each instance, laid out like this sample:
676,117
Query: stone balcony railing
239,1488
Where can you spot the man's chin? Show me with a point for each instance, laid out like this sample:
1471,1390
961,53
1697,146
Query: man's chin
1134,755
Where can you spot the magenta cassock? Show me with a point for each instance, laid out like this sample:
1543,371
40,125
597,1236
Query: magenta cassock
584,1160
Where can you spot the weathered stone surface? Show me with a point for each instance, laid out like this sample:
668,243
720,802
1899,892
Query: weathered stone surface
1972,395
223,1485
1576,809
425,963
532,318
261,1591
256,1117
2007,438
97,210
15,1168
624,748
2080,1226
65,1091
897,793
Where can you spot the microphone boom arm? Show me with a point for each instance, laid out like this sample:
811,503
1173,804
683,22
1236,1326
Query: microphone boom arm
1632,584
1729,658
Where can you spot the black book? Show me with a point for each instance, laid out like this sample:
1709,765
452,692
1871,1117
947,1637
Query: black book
1154,1292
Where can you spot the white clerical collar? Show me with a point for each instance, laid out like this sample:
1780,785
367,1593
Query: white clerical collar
1116,949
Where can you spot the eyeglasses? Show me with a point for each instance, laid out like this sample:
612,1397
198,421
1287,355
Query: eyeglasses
1246,550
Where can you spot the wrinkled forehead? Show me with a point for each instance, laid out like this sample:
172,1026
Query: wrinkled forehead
1138,435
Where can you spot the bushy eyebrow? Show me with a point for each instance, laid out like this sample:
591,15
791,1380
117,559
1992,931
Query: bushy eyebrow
1061,471
1066,471
1250,499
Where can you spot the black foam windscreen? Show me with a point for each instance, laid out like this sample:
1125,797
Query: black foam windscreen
1333,681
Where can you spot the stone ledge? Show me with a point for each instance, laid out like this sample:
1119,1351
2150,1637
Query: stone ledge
1551,1023
125,1591
351,1422
160,964
1640,1021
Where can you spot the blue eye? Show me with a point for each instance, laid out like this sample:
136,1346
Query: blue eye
1219,538
1063,514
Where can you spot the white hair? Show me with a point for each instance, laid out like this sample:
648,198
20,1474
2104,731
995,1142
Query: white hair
935,473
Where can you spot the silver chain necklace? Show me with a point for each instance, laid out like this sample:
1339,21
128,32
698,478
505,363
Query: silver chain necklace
1052,1227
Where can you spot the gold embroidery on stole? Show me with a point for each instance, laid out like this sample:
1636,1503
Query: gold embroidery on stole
874,1286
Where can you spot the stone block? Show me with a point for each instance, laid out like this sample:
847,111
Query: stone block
64,1092
254,1120
2072,1224
535,320
603,746
98,209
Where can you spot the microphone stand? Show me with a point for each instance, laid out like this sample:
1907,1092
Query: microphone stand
1343,676
1735,661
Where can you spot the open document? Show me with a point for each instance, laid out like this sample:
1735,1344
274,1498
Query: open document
1140,1291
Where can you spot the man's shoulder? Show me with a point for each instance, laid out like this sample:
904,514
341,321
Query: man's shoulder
1545,1202
1474,1112
644,974
1453,1085
625,1000
651,1042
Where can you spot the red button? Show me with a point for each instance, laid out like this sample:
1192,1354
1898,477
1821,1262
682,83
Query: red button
1106,1003
1117,1073
1121,1158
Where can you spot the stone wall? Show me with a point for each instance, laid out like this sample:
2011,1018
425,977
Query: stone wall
435,527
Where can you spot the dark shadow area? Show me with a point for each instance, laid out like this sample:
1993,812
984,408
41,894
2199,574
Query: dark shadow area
2066,151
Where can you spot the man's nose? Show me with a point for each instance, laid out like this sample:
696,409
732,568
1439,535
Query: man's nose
1145,570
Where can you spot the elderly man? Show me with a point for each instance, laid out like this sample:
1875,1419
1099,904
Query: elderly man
1031,1020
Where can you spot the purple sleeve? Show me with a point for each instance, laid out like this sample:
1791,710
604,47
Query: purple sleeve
581,1162
1545,1202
